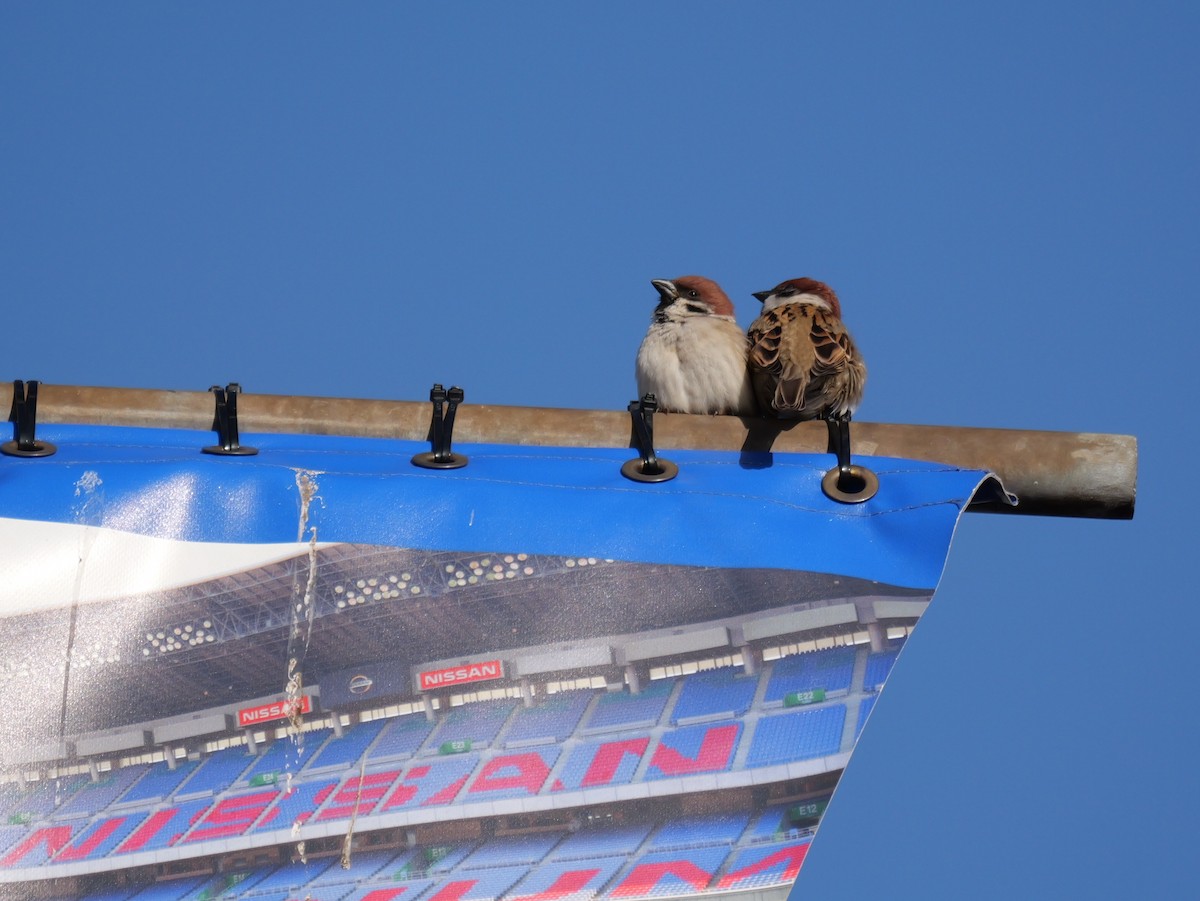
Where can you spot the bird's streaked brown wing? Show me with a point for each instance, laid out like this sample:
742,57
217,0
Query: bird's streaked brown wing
804,362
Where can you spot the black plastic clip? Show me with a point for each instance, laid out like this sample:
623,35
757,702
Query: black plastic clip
225,423
648,467
24,420
441,431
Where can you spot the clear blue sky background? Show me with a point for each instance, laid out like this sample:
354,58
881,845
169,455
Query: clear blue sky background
360,200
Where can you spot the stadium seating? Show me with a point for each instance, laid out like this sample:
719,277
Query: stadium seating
101,838
600,763
722,691
707,748
704,723
164,827
402,737
622,710
601,843
769,824
292,878
552,718
662,873
430,783
879,665
293,805
93,797
764,865
513,774
522,849
830,670
478,723
409,890
797,735
864,711
346,750
159,782
576,880
217,773
173,890
283,755
697,831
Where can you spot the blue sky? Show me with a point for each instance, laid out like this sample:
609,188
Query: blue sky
360,201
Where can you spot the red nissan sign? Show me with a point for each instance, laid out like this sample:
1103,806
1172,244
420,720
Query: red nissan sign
276,710
457,675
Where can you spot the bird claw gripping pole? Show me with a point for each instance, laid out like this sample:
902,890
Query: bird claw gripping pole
24,419
846,483
225,423
648,467
441,431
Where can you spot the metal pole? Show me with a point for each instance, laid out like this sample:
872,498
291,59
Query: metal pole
1080,474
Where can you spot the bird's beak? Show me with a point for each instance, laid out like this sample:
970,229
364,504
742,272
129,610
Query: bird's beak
665,288
761,296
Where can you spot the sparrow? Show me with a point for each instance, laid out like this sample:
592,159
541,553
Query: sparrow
693,358
803,362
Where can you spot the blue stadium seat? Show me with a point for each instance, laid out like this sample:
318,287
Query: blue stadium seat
551,718
831,670
727,690
797,736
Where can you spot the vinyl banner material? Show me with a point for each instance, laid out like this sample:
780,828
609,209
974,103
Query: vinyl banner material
323,672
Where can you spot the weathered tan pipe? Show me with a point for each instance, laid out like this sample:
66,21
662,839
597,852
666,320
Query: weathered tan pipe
1053,473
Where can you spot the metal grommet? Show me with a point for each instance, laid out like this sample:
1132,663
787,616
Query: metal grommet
855,485
38,449
660,471
430,460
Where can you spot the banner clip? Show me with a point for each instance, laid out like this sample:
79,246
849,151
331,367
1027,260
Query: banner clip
225,423
24,419
441,431
648,467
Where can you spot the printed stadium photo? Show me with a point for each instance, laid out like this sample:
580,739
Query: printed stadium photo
364,723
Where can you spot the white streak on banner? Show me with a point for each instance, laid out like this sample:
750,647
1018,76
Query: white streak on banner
303,614
88,511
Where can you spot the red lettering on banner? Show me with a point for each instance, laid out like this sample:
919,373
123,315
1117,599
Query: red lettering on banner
276,710
645,876
457,675
53,837
716,750
231,816
107,828
608,758
527,771
454,891
793,857
567,883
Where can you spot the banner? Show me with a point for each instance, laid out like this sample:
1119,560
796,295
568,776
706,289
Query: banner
527,678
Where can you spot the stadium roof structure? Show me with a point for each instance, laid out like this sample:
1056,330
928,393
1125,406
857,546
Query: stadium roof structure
229,639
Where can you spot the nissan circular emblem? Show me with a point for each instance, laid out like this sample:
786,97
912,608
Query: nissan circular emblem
360,685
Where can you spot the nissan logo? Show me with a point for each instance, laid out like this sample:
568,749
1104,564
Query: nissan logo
360,685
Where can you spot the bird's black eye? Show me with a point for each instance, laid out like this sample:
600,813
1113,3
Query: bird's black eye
693,293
